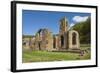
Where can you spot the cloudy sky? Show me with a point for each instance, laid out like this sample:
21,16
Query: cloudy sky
32,21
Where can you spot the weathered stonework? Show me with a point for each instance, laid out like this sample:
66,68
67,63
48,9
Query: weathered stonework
26,43
46,41
76,43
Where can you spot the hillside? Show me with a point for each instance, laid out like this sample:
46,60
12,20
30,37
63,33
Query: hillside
84,29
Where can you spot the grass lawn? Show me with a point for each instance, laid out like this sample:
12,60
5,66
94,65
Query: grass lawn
84,46
43,56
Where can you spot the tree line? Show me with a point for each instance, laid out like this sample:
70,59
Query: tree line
84,30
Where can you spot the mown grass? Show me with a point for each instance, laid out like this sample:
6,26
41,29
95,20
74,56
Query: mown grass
85,46
43,56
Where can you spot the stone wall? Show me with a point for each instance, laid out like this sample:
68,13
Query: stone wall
45,40
26,43
70,40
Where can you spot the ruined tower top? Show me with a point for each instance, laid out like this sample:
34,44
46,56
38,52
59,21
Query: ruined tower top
63,25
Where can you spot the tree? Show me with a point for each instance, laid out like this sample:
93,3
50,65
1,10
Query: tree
84,29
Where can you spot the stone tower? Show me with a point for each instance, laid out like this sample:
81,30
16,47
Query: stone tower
63,33
63,26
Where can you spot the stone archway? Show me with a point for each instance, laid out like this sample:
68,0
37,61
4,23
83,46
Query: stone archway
54,42
62,41
73,39
39,46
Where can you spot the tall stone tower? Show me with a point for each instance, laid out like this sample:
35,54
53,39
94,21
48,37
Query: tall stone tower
63,26
63,33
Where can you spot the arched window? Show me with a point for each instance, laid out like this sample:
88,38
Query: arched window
41,34
73,38
24,43
54,42
62,41
39,46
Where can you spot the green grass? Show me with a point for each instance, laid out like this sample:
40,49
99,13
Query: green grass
85,46
43,56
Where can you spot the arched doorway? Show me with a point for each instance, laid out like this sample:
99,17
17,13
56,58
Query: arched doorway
62,41
39,46
54,42
74,38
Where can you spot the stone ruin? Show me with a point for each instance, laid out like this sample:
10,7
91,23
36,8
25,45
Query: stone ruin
44,39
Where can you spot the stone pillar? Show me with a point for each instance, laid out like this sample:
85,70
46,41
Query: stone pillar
56,42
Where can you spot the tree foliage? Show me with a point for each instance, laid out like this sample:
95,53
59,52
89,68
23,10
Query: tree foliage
84,29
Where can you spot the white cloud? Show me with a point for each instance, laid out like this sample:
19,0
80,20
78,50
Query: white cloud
80,18
72,24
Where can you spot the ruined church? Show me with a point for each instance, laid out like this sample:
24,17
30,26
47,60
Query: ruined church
44,39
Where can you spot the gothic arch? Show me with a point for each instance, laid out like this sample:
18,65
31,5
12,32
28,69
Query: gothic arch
54,42
74,37
62,41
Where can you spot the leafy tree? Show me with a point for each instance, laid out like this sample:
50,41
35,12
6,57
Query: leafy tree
84,29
